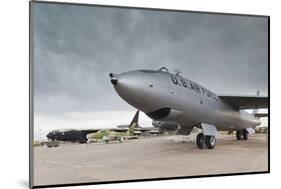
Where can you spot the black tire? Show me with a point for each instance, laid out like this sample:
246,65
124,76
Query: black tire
200,140
239,135
210,141
245,134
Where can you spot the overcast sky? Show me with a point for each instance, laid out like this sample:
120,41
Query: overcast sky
76,47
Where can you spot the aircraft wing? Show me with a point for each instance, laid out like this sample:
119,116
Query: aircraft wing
261,115
246,102
119,129
87,131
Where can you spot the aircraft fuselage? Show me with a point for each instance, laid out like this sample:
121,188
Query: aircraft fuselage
171,98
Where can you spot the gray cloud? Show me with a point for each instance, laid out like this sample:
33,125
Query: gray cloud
75,47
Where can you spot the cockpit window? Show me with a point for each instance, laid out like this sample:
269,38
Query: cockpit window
164,69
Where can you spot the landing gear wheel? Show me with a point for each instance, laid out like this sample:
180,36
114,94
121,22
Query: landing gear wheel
210,142
239,135
200,140
245,134
203,141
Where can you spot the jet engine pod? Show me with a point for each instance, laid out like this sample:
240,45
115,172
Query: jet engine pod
166,114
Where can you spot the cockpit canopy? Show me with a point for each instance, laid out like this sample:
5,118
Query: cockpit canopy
162,69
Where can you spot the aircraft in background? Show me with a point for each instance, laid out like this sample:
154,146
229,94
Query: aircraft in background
164,126
90,135
171,98
70,135
138,130
119,134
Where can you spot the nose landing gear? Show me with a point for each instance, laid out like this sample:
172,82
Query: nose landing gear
204,142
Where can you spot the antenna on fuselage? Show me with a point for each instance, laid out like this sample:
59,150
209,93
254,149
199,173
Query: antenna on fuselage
255,111
177,72
258,92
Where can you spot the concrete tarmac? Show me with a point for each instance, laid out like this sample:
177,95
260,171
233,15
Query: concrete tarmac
153,157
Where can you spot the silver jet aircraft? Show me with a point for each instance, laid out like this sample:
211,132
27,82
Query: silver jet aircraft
171,98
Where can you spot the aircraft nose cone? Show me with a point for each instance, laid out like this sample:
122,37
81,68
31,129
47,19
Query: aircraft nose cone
50,135
114,78
131,87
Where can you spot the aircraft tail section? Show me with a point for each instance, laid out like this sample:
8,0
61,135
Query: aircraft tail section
135,121
134,124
